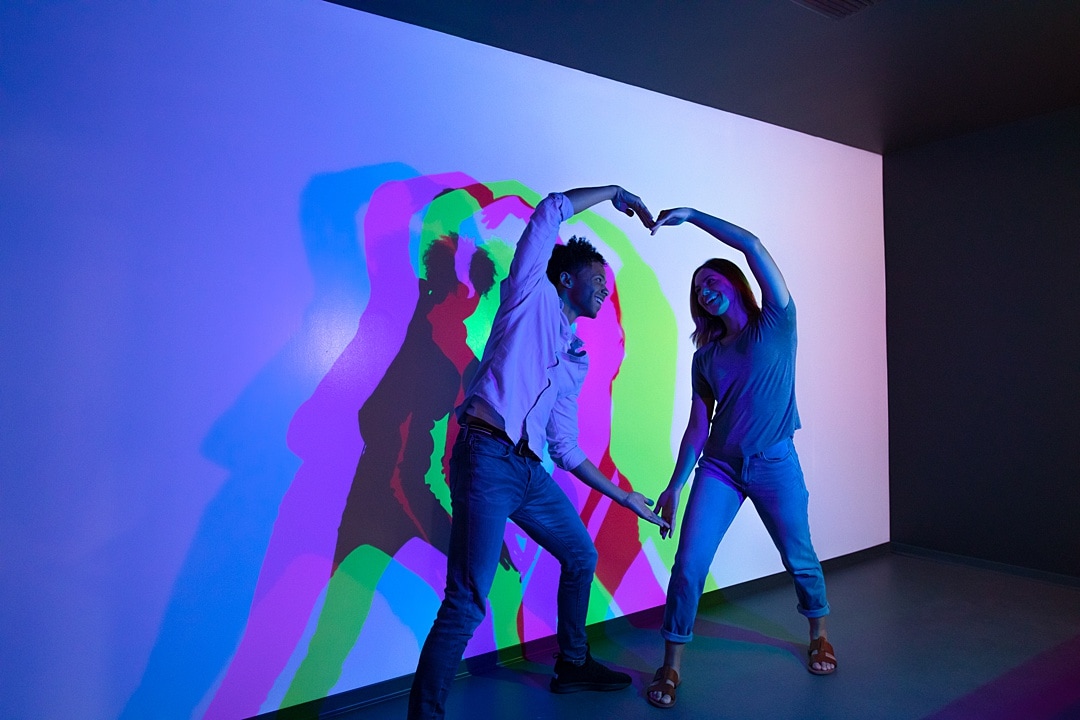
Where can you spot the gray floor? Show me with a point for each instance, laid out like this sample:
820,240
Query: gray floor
916,637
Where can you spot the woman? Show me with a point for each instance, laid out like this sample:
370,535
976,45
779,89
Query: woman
742,418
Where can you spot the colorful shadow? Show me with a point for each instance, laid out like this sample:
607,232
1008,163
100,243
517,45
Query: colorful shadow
355,561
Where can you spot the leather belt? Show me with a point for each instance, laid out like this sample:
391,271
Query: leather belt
471,423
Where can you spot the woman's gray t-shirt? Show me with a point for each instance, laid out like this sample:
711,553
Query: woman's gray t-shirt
752,382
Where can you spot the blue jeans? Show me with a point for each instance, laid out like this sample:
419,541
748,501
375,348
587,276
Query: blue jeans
489,483
773,480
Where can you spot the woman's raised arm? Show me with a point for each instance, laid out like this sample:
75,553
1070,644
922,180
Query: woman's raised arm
773,286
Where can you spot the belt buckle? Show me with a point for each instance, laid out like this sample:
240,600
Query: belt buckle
522,449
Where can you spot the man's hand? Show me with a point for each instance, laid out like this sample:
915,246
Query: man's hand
624,202
631,204
589,474
640,505
668,505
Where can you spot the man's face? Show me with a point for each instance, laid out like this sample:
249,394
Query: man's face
587,291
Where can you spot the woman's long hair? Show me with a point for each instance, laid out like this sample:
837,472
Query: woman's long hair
708,328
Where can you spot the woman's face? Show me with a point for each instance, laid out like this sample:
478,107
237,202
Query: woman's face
714,292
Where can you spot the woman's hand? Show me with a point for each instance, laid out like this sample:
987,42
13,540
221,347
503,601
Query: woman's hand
672,216
668,507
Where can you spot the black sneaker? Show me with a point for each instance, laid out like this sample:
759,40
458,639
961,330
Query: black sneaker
590,675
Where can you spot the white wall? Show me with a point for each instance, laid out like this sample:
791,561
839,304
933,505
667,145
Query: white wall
163,324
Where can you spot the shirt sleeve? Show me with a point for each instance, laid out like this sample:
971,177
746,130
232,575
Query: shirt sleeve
776,316
699,382
562,432
533,251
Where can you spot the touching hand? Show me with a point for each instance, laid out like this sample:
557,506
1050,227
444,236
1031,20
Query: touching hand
668,505
631,204
672,216
640,505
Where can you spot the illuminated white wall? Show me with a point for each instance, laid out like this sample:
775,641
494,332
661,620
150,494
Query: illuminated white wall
164,322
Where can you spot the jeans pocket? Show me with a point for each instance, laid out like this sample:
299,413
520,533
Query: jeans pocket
476,453
779,452
483,445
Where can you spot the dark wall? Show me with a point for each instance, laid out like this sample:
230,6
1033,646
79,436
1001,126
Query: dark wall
982,248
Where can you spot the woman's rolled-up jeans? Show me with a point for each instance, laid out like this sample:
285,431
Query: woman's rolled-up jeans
773,480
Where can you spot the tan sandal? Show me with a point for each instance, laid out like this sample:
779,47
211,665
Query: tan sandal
820,651
664,682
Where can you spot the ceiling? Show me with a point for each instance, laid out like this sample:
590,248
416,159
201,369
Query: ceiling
890,75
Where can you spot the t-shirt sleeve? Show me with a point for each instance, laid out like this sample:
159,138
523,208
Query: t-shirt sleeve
773,315
699,381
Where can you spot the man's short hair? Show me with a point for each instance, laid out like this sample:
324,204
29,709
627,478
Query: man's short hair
575,255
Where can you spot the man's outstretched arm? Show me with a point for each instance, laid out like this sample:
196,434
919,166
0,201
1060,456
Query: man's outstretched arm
589,474
624,202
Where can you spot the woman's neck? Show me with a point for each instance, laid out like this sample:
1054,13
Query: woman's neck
734,321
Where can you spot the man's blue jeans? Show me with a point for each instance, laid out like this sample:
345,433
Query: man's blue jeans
773,480
489,483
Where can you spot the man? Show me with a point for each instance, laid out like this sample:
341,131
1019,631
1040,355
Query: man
525,394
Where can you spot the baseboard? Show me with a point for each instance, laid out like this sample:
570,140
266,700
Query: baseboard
1030,573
